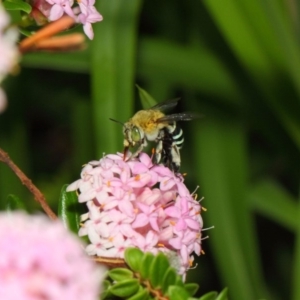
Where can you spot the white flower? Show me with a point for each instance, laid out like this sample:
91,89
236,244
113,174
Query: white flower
8,51
137,204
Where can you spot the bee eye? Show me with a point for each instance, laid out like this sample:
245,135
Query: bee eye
135,134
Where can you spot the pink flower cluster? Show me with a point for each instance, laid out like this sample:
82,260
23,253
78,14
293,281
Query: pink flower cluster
8,51
137,204
41,260
85,13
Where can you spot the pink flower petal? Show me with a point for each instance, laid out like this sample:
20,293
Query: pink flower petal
37,254
56,12
181,225
192,224
140,221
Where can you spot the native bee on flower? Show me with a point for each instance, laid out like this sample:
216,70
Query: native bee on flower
153,125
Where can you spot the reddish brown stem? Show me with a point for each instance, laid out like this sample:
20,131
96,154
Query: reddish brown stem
51,29
70,42
38,196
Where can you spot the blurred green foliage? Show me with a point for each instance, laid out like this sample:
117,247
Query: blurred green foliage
237,63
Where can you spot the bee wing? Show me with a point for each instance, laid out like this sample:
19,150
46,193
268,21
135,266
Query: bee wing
166,104
178,117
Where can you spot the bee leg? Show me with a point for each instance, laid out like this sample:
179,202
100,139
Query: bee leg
175,158
125,152
139,150
158,151
160,147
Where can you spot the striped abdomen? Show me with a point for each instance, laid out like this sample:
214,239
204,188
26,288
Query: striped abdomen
170,142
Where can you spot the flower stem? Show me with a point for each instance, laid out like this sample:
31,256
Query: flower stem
38,196
51,29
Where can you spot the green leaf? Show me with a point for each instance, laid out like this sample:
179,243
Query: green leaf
143,294
119,274
169,279
158,269
286,40
133,258
146,99
106,284
70,61
209,296
25,32
14,203
111,60
271,200
191,288
179,281
146,262
106,289
200,68
296,261
14,16
177,293
222,163
69,209
233,22
223,295
125,288
17,5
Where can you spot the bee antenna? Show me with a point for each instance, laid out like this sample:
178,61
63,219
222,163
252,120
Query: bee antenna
116,121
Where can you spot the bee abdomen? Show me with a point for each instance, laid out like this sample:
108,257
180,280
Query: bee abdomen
177,136
167,151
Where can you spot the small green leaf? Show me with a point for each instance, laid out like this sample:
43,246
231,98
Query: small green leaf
158,269
177,293
133,258
146,99
179,281
25,32
223,295
191,288
169,279
14,203
106,284
143,294
125,288
69,209
146,262
17,5
119,274
105,289
14,16
209,296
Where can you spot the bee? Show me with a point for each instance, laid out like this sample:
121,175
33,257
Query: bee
153,125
